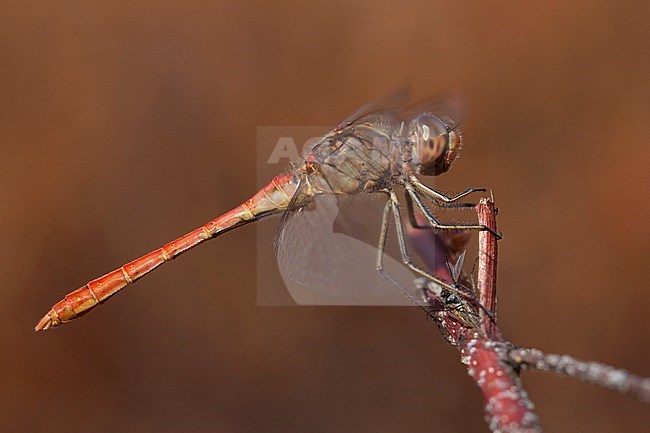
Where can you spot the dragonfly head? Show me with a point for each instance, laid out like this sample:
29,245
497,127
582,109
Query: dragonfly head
435,145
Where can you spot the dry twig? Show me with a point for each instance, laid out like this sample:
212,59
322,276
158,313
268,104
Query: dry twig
494,363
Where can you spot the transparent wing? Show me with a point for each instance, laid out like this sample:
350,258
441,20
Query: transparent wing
383,126
446,106
331,250
394,101
381,114
388,113
385,123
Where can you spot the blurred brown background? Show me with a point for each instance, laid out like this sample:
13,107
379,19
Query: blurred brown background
125,124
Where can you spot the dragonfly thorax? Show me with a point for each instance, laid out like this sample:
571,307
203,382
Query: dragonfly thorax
352,161
435,145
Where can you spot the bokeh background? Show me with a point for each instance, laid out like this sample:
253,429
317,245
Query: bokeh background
125,124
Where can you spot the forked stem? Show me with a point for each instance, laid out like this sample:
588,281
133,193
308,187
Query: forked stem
483,350
495,363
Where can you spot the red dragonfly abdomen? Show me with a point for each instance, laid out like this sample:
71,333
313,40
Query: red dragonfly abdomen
271,199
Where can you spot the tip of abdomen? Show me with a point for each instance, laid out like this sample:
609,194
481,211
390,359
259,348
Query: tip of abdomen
48,321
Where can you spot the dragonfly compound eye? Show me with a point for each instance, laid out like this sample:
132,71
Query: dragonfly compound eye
435,146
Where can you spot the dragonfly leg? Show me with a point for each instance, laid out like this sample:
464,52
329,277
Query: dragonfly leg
453,205
437,196
437,224
411,214
382,237
408,262
381,249
406,258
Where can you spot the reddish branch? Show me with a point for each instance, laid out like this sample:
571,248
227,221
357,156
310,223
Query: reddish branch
487,266
494,363
479,341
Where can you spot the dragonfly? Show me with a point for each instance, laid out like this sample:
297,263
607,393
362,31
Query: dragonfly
378,150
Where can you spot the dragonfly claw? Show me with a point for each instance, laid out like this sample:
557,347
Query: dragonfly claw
498,235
